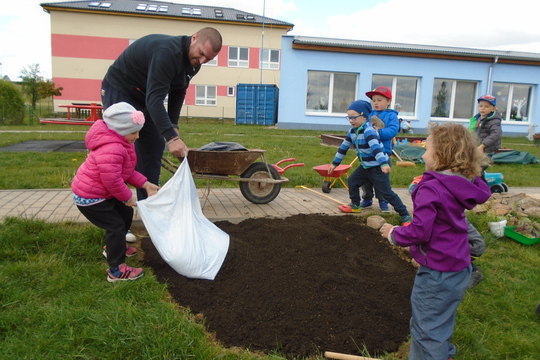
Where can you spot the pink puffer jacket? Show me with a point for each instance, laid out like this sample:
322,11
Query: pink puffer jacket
108,167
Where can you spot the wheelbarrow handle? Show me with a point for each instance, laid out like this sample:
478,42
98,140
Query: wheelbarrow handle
293,165
285,160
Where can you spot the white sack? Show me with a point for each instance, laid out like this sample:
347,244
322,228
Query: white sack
189,242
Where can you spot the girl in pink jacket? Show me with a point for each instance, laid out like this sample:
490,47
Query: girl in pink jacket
100,188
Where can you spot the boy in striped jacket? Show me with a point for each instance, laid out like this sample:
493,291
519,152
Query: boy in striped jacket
374,163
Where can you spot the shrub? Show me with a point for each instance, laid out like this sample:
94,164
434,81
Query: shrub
11,104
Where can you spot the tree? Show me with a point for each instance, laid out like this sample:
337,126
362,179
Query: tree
30,83
35,87
11,104
441,101
47,88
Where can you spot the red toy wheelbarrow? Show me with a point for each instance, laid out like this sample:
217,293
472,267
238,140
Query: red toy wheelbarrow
340,173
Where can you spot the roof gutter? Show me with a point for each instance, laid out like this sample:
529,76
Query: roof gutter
490,85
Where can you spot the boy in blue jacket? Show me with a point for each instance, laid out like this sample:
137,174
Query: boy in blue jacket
381,97
374,163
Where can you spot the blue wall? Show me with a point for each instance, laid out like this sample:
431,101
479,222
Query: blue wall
296,63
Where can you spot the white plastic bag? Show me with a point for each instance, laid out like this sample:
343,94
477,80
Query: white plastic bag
190,243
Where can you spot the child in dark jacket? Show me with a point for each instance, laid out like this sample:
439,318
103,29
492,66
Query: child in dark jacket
438,239
99,186
486,125
374,163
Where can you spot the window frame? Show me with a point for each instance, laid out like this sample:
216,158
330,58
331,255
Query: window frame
396,92
452,110
238,62
213,62
329,111
205,100
266,61
507,114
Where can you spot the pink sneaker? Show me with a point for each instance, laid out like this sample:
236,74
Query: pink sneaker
130,251
124,273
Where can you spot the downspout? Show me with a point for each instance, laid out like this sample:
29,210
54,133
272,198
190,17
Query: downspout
490,85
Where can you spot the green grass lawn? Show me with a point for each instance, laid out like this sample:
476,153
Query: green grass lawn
55,170
56,304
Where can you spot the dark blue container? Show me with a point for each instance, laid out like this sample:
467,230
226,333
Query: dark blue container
256,104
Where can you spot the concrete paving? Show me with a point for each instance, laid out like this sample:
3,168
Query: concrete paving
56,205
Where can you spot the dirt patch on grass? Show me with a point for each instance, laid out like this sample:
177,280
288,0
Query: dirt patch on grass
301,285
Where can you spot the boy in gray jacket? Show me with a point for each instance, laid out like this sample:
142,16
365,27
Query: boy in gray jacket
486,125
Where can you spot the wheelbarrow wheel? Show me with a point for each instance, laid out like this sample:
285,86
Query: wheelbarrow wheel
326,187
260,192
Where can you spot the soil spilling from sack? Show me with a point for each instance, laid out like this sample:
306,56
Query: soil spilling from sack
300,285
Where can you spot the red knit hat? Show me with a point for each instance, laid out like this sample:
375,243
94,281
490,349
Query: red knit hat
380,90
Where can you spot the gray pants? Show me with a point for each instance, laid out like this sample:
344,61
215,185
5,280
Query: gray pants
435,298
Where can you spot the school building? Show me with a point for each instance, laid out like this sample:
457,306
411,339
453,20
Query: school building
317,77
87,36
321,76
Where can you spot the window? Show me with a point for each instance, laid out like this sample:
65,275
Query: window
454,99
404,92
212,62
513,101
230,91
269,59
329,93
238,57
205,95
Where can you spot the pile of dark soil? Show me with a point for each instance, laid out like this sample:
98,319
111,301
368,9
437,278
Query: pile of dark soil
302,285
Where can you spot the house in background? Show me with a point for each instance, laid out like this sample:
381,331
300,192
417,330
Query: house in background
87,36
317,77
321,76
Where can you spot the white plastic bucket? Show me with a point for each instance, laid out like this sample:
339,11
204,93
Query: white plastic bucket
497,228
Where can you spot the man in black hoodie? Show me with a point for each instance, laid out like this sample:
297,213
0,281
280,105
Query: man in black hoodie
152,68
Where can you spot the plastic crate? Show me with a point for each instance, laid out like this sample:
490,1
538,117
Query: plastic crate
509,232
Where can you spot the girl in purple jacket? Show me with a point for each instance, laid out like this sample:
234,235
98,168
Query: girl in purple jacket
100,188
437,237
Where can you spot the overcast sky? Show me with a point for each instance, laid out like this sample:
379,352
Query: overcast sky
496,24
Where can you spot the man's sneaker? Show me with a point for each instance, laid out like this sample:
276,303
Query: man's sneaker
366,204
130,251
538,309
130,237
476,277
124,273
384,206
406,220
351,208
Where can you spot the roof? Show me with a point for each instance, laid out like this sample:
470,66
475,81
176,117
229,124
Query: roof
166,9
374,47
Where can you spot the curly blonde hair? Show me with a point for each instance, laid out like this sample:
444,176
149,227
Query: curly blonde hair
455,149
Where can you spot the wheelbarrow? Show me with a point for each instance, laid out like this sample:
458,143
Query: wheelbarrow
329,180
259,182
